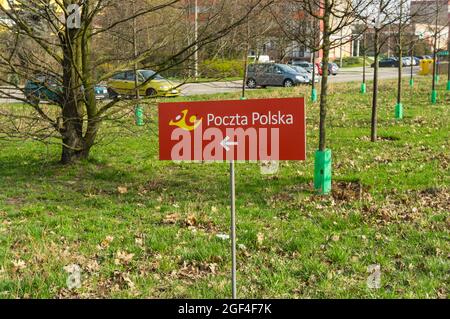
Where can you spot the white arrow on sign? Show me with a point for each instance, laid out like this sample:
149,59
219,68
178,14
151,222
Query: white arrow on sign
226,143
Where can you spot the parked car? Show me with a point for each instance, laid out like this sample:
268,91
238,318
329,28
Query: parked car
49,88
273,74
308,66
150,84
305,73
406,61
101,92
332,68
387,62
319,68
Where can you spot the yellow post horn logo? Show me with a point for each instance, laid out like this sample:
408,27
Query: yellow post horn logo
180,121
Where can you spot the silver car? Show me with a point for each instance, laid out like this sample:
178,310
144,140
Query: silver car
273,74
305,73
308,66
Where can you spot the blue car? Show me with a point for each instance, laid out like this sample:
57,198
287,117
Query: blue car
48,88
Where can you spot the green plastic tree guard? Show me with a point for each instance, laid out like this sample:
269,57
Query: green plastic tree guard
322,172
448,85
411,82
363,88
313,95
437,79
398,111
434,96
139,115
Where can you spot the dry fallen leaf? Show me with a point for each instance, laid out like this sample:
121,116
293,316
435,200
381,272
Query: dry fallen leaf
105,242
191,220
122,190
122,257
260,238
139,241
335,238
93,266
171,218
128,281
18,265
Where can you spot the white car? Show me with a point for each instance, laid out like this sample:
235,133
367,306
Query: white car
407,61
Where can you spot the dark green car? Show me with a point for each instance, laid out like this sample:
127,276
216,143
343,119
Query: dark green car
43,87
48,88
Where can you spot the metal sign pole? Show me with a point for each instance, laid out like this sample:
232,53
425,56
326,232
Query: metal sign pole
233,229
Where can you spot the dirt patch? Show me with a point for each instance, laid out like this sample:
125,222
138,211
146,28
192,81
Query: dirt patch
191,221
193,270
348,191
411,206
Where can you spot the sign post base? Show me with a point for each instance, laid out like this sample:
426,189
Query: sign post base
398,111
322,172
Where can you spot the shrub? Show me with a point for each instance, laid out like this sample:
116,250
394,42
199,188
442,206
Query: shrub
221,68
352,61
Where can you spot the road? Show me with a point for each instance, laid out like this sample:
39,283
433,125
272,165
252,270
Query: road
345,75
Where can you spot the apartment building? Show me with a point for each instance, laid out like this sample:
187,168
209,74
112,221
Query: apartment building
432,17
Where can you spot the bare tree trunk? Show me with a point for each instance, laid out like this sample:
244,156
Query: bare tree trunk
313,70
247,49
373,132
324,84
93,122
400,57
364,57
76,58
448,58
436,32
411,78
399,81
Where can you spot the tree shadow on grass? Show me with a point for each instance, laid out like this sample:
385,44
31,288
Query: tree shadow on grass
88,182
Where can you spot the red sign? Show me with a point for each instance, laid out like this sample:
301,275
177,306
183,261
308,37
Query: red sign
248,130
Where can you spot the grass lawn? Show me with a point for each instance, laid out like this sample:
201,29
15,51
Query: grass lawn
142,228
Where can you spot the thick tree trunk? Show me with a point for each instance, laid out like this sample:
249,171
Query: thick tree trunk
74,148
78,86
